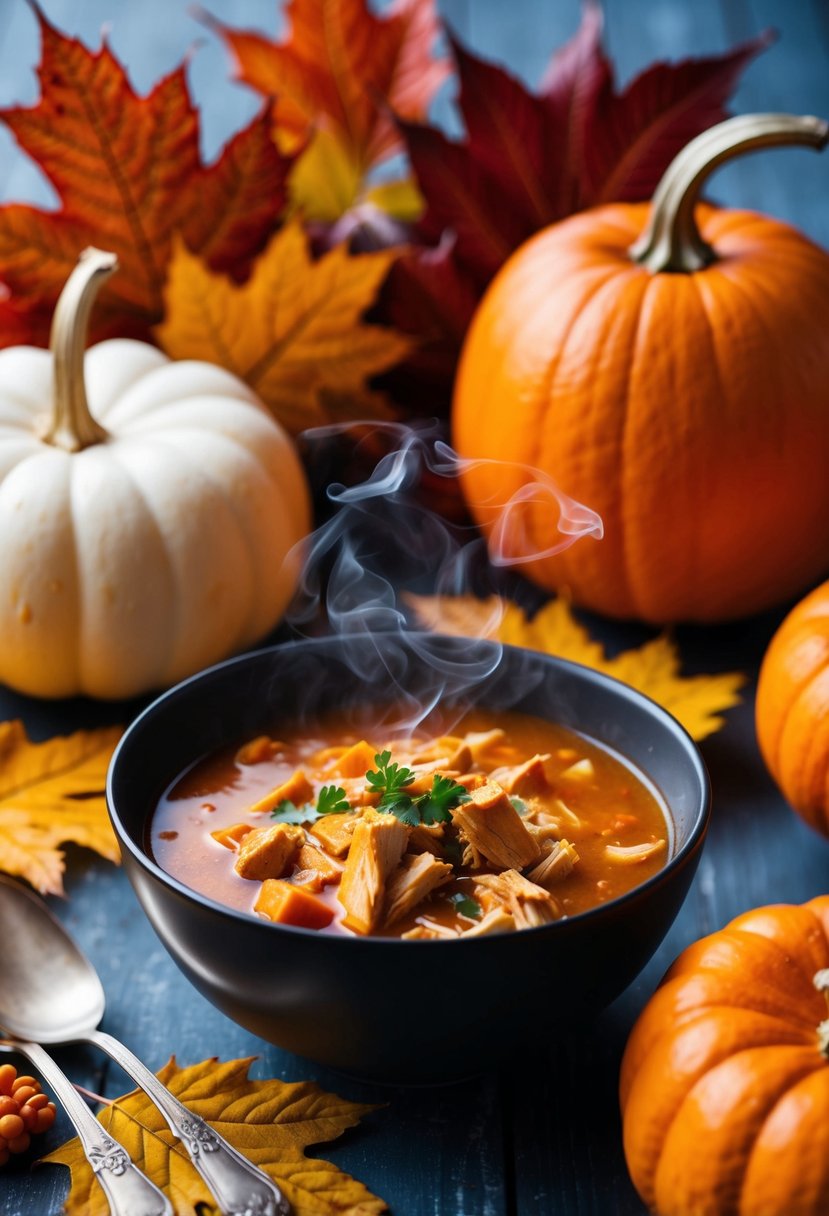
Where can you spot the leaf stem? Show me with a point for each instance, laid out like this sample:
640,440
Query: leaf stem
72,426
672,242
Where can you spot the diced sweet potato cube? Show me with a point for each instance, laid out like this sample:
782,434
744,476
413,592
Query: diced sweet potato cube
497,920
377,845
493,829
525,779
316,869
357,760
528,903
263,747
334,832
415,878
296,789
287,904
269,852
231,837
555,866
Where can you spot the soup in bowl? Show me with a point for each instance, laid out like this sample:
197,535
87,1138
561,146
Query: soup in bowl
366,856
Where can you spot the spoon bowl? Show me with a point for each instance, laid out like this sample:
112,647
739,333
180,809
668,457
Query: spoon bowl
54,995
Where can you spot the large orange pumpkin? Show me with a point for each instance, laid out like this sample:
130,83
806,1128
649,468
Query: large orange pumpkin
675,382
792,708
725,1078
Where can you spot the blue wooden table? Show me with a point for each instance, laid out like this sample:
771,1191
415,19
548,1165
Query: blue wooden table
544,1141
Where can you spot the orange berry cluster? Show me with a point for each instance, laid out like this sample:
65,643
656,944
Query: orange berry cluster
24,1111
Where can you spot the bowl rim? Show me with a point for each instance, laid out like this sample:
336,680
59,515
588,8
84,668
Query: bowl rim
696,835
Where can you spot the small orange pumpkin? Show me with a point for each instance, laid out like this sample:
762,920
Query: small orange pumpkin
672,378
792,708
725,1078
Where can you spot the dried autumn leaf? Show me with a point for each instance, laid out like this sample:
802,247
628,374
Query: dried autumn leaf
270,1122
654,668
52,793
293,331
129,176
344,69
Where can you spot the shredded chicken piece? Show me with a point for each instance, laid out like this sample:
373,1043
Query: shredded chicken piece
524,779
428,930
497,920
569,817
555,866
377,844
461,757
269,852
335,831
417,876
480,741
529,904
315,868
427,838
493,829
633,854
544,832
296,789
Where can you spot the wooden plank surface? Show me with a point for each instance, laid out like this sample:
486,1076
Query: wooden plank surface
545,1140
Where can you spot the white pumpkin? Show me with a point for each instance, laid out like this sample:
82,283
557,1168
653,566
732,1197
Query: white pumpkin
140,547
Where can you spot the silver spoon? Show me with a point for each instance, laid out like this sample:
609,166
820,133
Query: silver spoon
53,994
128,1191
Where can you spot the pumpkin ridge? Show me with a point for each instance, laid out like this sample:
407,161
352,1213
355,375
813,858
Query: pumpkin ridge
756,1147
637,591
545,415
728,1198
171,633
813,760
163,439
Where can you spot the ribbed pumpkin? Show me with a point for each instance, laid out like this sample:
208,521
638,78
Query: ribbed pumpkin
725,1078
151,512
673,378
792,708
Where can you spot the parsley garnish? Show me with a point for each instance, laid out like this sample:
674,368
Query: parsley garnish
519,805
330,800
390,781
465,905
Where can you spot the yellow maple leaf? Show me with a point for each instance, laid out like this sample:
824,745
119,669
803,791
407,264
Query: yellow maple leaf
271,1122
654,668
52,793
293,332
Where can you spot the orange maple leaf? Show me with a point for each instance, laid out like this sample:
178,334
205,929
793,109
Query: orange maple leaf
293,332
346,69
129,176
52,793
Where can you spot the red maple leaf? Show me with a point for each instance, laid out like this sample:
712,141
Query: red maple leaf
529,159
345,68
129,176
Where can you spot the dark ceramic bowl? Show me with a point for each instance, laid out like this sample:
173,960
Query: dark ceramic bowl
381,1008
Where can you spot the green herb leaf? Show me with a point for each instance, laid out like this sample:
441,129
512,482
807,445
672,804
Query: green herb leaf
436,806
465,905
331,800
288,812
520,805
389,778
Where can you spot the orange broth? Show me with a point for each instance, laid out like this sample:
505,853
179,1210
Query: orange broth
603,802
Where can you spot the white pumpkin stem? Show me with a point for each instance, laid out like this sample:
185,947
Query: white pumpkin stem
821,982
672,241
72,426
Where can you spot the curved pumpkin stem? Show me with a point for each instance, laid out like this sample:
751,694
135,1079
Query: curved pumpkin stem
672,241
72,426
821,982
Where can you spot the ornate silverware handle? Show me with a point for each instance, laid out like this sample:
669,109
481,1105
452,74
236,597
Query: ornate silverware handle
128,1191
238,1186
